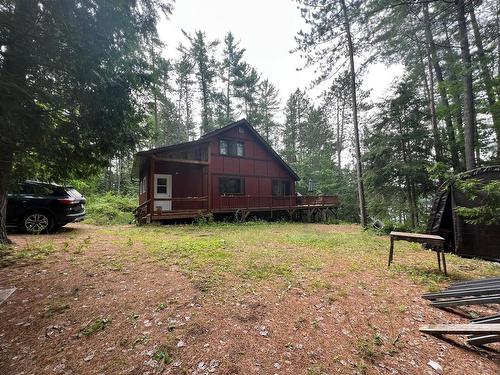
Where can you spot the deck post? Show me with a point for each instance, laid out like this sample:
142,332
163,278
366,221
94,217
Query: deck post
209,177
151,186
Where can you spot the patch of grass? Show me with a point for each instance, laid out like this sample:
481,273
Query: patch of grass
368,348
116,265
321,285
33,251
161,306
263,271
82,245
316,370
96,326
141,340
56,307
162,354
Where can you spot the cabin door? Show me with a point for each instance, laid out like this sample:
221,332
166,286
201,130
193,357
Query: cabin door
163,189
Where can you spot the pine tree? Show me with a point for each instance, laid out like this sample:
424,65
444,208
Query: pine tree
267,105
296,111
329,36
202,53
398,153
184,71
232,71
72,75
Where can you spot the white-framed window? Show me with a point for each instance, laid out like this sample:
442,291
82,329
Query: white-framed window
161,185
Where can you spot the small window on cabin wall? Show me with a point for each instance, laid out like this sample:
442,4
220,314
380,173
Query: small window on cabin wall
161,186
143,185
231,148
281,188
231,185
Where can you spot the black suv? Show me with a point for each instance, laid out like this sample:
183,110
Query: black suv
42,207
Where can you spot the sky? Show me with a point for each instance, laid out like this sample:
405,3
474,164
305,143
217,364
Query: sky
266,29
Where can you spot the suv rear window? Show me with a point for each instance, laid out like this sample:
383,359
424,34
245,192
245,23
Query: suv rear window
73,193
37,190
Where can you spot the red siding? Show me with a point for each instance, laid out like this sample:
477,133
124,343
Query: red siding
258,167
188,180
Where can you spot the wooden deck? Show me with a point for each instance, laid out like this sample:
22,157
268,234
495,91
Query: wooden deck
242,206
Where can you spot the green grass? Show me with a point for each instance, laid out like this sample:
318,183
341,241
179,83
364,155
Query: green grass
289,253
96,326
32,251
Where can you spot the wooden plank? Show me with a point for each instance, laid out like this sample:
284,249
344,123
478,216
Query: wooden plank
467,301
461,329
481,340
421,236
487,320
6,293
476,281
491,284
478,320
462,293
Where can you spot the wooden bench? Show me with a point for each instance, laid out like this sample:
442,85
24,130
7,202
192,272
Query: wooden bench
437,243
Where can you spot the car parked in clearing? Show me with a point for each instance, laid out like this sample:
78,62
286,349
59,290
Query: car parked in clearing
39,207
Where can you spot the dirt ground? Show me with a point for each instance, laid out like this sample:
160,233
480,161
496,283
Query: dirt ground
98,309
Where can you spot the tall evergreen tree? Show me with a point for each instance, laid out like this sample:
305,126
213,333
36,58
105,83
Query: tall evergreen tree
268,104
202,52
296,111
184,71
397,156
70,76
232,71
329,36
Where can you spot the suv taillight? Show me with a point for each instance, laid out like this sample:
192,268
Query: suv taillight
67,201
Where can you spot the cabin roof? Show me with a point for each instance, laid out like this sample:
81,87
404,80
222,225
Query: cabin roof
206,138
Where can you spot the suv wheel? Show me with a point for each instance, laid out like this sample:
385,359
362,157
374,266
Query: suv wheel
38,222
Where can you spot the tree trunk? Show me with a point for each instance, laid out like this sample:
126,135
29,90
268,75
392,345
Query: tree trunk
486,77
155,98
451,61
359,170
5,171
429,89
450,131
14,97
228,93
469,125
337,144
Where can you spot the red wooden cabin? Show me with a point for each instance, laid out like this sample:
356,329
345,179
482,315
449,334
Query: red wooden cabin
229,170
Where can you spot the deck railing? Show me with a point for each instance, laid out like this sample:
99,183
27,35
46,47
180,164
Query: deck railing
273,201
242,201
186,203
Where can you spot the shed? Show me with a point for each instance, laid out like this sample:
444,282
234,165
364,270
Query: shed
464,239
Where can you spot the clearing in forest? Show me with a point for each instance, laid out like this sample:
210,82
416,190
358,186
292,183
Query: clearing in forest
254,298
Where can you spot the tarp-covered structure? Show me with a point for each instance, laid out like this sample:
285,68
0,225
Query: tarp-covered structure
468,240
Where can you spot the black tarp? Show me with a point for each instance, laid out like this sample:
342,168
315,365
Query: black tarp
469,240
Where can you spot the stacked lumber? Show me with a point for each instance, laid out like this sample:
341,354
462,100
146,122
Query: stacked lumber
484,330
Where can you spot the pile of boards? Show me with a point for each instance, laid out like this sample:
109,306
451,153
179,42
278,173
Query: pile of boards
483,330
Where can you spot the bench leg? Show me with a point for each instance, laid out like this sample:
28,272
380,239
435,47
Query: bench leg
391,252
436,249
444,262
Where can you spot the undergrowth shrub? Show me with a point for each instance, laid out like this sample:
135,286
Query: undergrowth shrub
110,208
